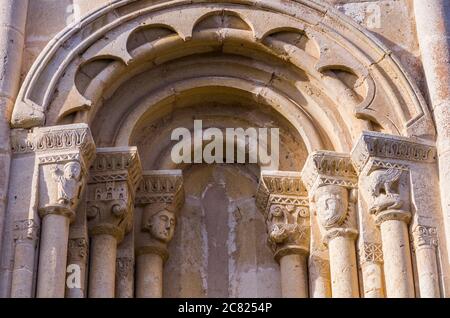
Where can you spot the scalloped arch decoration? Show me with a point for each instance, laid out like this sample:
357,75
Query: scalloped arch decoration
391,100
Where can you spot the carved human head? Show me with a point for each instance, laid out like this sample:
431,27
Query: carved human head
161,223
331,203
72,170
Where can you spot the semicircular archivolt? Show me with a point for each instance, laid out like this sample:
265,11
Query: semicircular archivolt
351,72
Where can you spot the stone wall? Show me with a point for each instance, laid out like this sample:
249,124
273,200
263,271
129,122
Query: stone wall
347,214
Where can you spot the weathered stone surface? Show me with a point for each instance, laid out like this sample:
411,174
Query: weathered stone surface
355,204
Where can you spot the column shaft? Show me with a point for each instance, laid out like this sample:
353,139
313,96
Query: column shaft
428,272
373,280
53,256
433,35
294,276
13,15
319,279
397,259
149,282
344,275
103,266
23,272
124,278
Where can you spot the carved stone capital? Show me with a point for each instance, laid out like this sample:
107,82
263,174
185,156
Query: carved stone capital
283,200
161,186
425,236
114,177
390,148
25,230
78,250
371,253
334,207
383,162
161,195
329,168
63,154
387,194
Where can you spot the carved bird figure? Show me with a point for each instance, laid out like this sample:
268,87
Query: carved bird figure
384,181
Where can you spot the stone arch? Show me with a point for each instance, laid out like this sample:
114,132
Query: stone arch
382,97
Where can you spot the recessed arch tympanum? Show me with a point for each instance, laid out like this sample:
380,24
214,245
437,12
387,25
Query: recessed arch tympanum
327,76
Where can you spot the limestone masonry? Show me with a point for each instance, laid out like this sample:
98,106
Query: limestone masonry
93,203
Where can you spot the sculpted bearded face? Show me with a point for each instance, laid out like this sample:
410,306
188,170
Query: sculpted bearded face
162,225
331,203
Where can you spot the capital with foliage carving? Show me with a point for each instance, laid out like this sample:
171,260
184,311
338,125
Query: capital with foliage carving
424,237
332,182
161,195
283,200
114,177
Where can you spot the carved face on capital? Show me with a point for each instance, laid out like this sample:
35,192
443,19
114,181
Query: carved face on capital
331,203
162,225
72,170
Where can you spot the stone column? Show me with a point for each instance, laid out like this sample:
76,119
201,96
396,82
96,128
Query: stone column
63,154
371,259
383,162
433,25
319,277
397,254
13,16
114,177
160,197
283,200
125,268
26,235
425,246
77,266
331,180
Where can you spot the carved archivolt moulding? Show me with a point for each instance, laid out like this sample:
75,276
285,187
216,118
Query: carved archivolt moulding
114,177
283,200
336,44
